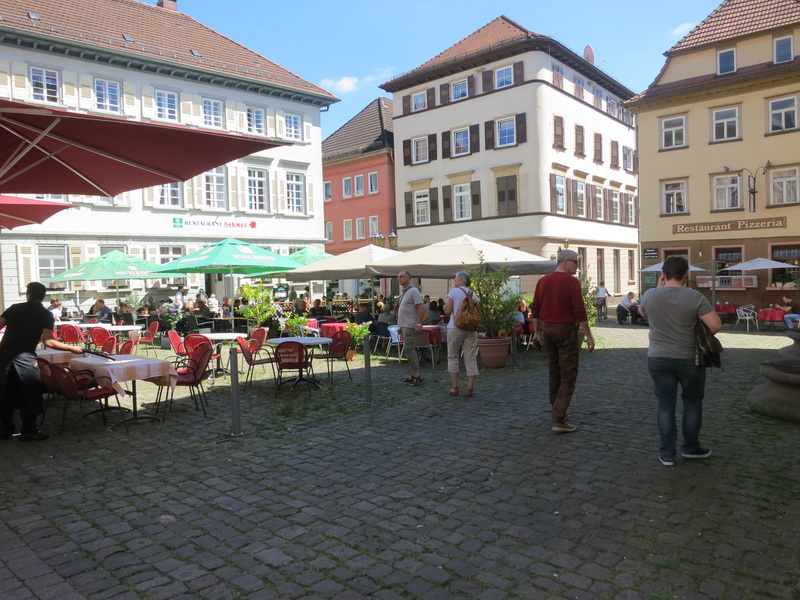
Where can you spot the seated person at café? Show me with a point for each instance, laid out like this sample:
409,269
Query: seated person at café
434,314
792,310
628,307
202,310
302,307
101,312
213,304
523,315
363,315
387,315
318,310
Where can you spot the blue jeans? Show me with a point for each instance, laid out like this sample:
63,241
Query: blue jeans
667,374
788,318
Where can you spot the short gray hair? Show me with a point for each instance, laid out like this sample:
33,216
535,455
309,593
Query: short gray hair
567,255
465,276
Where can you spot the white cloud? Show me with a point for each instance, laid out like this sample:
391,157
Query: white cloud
380,75
682,29
343,85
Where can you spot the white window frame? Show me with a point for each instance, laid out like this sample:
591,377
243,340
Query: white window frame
599,203
674,197
721,56
784,186
347,230
45,85
722,121
167,254
347,187
561,195
213,113
215,188
631,215
499,125
419,101
726,192
296,193
419,150
361,232
166,105
256,120
170,194
329,231
787,114
776,50
56,266
615,206
673,128
459,148
358,184
293,125
327,191
580,198
257,189
372,183
503,77
462,202
374,228
107,95
627,158
422,207
459,90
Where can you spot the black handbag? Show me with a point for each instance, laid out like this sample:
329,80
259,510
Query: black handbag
707,347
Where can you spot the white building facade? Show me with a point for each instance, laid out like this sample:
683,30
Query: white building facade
272,199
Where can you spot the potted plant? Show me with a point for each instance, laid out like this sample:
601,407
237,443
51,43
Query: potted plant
358,333
169,314
260,307
295,324
497,305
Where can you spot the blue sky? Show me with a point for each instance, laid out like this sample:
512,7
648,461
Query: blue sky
353,46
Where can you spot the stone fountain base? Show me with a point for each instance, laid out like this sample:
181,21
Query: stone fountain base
780,397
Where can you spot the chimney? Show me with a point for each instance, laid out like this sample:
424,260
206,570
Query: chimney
168,4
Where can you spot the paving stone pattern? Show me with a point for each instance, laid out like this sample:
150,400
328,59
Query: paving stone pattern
416,495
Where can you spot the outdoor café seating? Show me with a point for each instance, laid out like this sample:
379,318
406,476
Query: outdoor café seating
337,350
746,313
191,369
254,354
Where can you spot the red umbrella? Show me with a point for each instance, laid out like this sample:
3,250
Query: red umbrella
61,152
15,212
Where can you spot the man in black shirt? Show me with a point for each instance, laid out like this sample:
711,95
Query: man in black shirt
20,381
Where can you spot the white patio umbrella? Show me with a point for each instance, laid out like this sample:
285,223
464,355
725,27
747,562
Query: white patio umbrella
758,263
442,259
349,265
659,266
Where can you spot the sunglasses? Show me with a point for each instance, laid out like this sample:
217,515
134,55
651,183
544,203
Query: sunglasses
573,261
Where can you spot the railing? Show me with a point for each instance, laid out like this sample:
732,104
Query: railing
727,281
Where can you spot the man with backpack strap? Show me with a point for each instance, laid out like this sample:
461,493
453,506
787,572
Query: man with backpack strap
462,332
411,312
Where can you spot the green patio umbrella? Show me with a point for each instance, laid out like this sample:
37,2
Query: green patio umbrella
231,256
306,256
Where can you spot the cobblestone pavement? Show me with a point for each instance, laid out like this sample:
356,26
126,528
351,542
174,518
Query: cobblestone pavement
416,495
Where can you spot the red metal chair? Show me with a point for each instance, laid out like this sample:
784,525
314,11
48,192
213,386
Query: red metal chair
250,352
83,392
176,343
197,339
191,372
109,345
337,350
71,335
148,338
127,347
98,336
292,356
260,334
92,321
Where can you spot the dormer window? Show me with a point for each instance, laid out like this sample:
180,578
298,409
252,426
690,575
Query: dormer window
726,61
783,49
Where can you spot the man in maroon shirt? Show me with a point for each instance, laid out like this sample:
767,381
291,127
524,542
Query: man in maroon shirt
561,324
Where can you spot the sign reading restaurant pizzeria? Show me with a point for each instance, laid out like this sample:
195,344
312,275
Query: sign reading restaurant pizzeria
738,225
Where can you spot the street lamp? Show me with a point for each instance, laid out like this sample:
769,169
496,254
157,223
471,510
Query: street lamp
378,239
393,240
751,182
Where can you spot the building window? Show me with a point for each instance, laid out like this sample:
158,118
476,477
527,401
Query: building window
631,265
462,202
783,114
558,132
327,191
561,196
503,77
256,120
580,148
601,264
674,194
614,155
615,212
791,256
348,230
726,124
627,158
598,148
726,61
52,261
106,95
420,150
216,188
294,127
673,132
611,106
257,189
347,187
44,85
578,86
598,98
295,193
422,208
783,49
784,186
460,142
373,226
419,101
166,254
329,231
212,113
580,198
506,132
599,204
359,181
631,211
360,231
169,194
726,192
558,76
458,90
372,183
166,105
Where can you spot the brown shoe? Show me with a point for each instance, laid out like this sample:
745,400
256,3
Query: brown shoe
564,427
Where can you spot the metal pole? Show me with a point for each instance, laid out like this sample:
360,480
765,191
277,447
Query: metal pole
367,370
236,417
514,346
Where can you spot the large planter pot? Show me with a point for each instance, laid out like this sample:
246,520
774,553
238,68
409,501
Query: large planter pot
350,354
494,351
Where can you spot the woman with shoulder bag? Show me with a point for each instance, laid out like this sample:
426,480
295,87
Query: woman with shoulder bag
459,339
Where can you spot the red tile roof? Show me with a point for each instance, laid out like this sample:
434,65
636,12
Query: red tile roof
159,34
371,129
738,18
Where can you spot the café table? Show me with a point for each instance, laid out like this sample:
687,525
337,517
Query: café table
310,342
770,316
219,337
727,308
56,357
328,329
128,367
